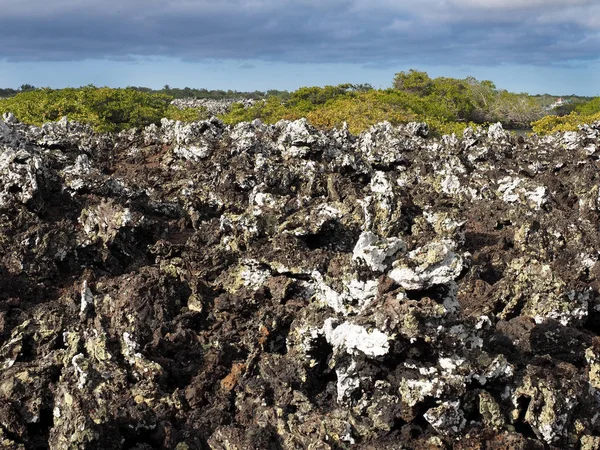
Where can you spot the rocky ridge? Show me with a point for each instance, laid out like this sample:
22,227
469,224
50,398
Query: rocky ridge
213,107
196,286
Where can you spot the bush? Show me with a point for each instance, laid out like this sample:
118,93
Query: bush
187,114
360,111
570,122
105,109
268,111
589,108
331,106
448,105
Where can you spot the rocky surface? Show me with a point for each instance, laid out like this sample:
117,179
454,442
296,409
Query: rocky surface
213,107
195,286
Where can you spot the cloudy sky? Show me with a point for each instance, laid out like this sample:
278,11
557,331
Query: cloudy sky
522,45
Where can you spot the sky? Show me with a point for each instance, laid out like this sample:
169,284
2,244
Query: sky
534,46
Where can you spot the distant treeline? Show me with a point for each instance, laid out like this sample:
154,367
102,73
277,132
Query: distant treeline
570,102
186,92
8,92
215,94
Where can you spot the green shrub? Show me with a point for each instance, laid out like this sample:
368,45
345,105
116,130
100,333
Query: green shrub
187,114
331,106
268,111
570,122
105,109
589,108
360,112
448,105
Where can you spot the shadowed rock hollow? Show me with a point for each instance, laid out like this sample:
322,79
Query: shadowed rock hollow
276,287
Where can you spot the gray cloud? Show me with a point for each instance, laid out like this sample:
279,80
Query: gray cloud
370,32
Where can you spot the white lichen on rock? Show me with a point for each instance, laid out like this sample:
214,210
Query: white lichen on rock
375,252
87,298
434,263
352,338
355,295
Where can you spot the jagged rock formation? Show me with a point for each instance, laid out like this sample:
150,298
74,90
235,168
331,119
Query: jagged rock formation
213,107
195,286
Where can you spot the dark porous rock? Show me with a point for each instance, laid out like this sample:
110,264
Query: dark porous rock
203,286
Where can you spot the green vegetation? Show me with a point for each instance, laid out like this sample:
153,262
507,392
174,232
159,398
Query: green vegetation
582,113
105,109
470,100
448,105
186,92
8,92
187,114
269,111
589,108
570,122
570,103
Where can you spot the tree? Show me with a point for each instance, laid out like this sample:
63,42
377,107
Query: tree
306,99
363,87
516,110
413,81
483,94
455,95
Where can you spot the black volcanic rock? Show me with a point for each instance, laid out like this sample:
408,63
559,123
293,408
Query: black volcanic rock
195,286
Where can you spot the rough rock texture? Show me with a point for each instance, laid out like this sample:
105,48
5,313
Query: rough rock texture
197,286
213,107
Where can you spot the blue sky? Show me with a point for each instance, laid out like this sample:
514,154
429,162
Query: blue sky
522,45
